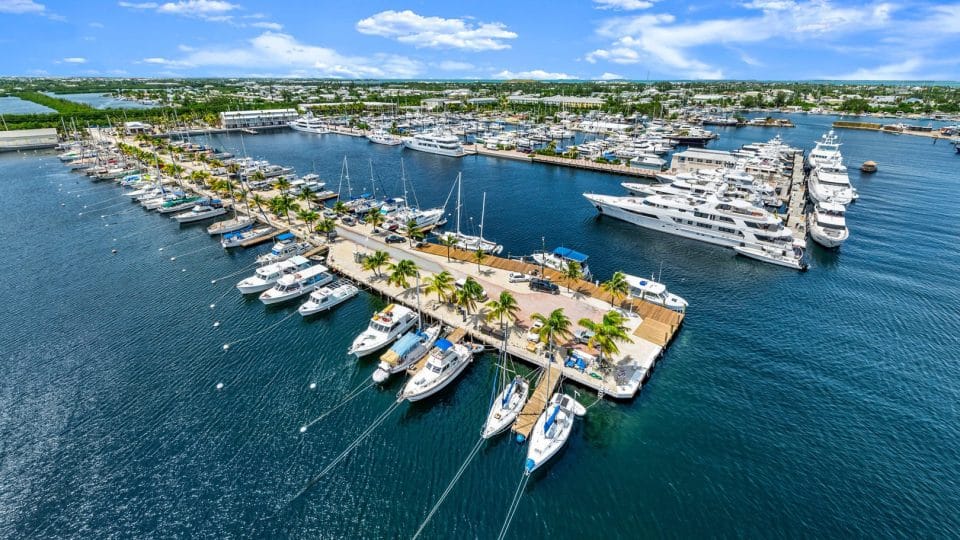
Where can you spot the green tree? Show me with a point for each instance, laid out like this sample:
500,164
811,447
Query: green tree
505,309
413,231
440,283
554,326
375,218
617,286
401,272
340,208
479,255
607,333
307,216
572,272
326,226
449,241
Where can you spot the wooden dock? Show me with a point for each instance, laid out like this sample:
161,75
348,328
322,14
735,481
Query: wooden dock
452,337
261,239
797,200
317,251
578,163
546,386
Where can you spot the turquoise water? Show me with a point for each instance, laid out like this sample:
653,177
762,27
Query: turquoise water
15,105
102,101
817,404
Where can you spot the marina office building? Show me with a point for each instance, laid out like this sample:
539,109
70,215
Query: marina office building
26,139
257,119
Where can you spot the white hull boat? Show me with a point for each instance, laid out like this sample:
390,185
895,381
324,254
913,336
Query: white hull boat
506,407
201,212
237,238
385,326
651,291
328,297
230,225
265,276
552,430
295,285
447,361
411,347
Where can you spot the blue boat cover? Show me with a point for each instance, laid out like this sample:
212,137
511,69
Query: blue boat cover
443,344
285,236
568,253
405,343
551,419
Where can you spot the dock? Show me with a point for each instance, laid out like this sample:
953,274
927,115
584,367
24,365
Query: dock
797,200
577,163
546,386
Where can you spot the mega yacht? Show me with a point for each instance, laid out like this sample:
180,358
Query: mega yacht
826,149
385,326
446,361
411,347
552,430
828,226
206,210
560,258
382,136
654,292
829,182
264,277
295,285
285,248
309,124
435,142
328,297
725,222
506,406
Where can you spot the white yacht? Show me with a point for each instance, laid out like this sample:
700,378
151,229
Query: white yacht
829,182
828,226
230,225
382,136
405,351
309,124
435,142
285,248
265,276
560,257
200,212
774,255
654,292
552,430
446,361
295,285
327,297
468,242
731,223
826,149
238,237
176,205
385,326
506,407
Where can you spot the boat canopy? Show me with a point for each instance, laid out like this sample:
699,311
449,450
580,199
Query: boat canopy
645,285
567,253
405,343
285,236
443,344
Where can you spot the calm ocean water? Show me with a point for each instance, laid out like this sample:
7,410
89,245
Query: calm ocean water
818,404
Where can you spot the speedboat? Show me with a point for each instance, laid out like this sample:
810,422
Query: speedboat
265,276
654,292
327,297
200,212
506,407
828,225
295,285
284,249
447,360
407,350
552,430
775,255
230,225
237,238
384,327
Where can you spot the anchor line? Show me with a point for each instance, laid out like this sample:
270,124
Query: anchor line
514,504
262,330
350,396
453,482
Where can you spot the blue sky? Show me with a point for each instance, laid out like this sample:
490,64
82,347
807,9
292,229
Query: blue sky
584,39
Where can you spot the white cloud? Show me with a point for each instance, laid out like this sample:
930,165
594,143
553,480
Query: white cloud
196,7
607,76
536,74
21,6
453,65
900,71
623,5
142,5
75,60
274,51
95,25
268,25
436,32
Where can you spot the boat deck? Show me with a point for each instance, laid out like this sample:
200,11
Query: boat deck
797,200
546,386
261,239
453,337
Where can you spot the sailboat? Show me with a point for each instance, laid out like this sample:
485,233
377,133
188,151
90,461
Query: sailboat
552,430
468,242
402,213
506,406
411,347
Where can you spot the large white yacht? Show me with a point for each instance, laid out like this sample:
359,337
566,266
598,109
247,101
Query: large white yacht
829,182
435,142
382,136
309,124
385,326
264,277
295,285
733,223
654,292
826,149
552,430
447,360
828,226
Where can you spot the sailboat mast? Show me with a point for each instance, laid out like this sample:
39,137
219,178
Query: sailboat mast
483,210
459,185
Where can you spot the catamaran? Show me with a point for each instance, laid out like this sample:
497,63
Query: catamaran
328,297
264,277
552,430
405,351
295,285
384,327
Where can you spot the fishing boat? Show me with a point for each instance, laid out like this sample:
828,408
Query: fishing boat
239,237
506,407
295,285
264,277
384,327
552,430
654,292
407,350
447,360
200,212
230,225
328,297
285,248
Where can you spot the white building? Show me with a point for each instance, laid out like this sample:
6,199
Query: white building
25,139
694,159
257,119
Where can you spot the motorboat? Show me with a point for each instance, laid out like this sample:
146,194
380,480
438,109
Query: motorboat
239,237
295,285
781,257
654,292
385,326
829,182
309,124
286,247
264,277
177,205
411,347
200,212
506,407
435,142
381,136
230,225
328,297
552,430
560,258
446,361
827,224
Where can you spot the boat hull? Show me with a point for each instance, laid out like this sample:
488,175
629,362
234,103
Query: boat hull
440,384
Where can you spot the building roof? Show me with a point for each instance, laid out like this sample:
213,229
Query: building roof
18,133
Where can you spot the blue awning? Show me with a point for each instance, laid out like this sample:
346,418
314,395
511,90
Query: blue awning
405,343
568,253
285,236
443,344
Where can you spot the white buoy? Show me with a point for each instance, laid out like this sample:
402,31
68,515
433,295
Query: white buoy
173,258
183,269
212,306
213,282
113,251
226,346
313,386
80,213
219,386
303,429
216,324
161,249
103,216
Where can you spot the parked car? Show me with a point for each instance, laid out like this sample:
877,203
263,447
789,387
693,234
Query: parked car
544,285
395,239
582,336
348,220
518,277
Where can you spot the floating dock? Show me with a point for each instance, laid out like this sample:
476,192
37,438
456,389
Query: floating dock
546,386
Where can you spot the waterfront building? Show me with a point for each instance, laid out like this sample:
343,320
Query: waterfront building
257,119
25,139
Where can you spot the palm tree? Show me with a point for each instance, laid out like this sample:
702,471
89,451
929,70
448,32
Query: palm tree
260,201
556,325
572,272
258,176
413,231
326,226
282,184
479,255
617,286
440,283
340,208
449,241
607,333
465,298
401,272
376,261
307,196
505,308
308,217
375,218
